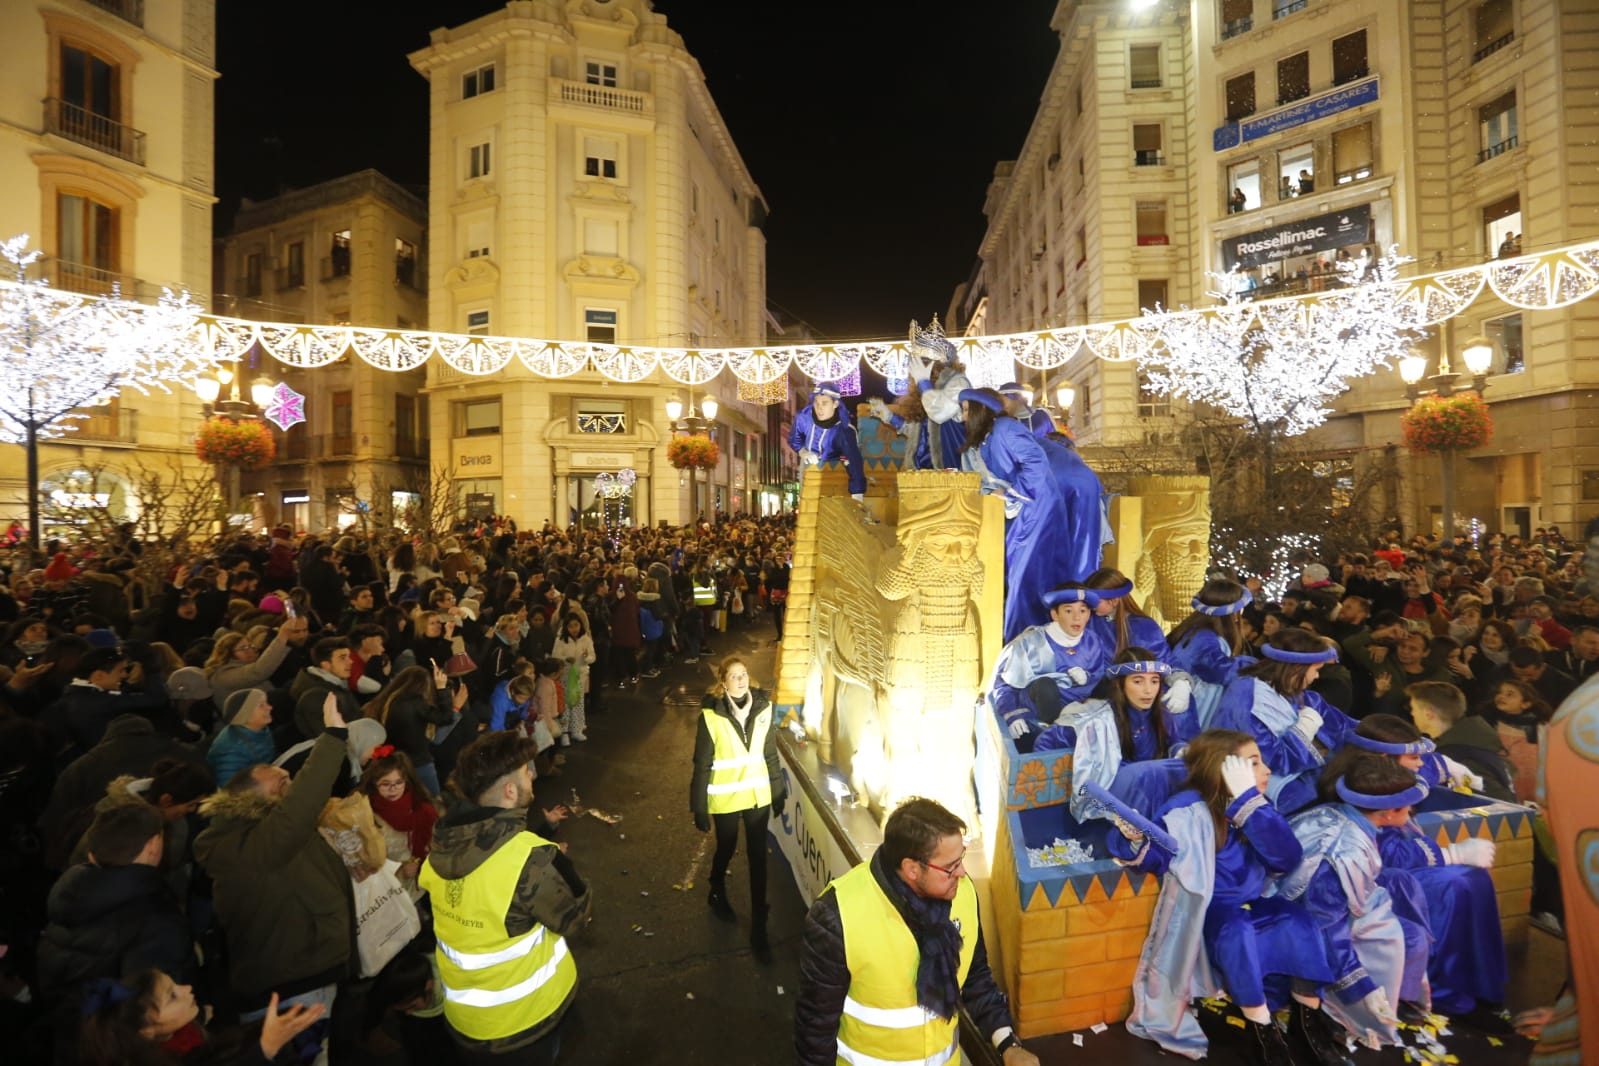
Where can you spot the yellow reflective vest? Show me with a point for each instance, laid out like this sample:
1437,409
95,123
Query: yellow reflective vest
704,595
494,987
739,778
882,1024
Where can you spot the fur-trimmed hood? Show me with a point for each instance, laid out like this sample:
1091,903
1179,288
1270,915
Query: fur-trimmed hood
249,805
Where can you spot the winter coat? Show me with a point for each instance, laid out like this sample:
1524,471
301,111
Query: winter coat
625,631
538,642
112,921
408,719
310,691
231,677
237,747
651,619
1474,743
79,719
283,896
663,577
130,746
580,651
705,748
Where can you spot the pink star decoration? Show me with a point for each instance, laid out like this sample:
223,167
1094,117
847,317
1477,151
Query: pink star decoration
286,408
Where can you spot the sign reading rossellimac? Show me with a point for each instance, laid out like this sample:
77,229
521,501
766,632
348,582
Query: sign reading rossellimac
1320,233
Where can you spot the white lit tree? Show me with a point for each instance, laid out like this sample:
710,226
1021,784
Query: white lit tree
62,352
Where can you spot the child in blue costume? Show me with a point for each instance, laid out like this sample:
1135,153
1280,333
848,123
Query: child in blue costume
1214,925
1446,889
1207,645
1378,957
1013,466
1127,625
822,434
1049,666
1082,498
1272,702
1134,723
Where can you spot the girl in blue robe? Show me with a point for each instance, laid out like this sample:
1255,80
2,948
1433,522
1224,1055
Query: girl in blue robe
1082,498
1215,925
1272,702
1208,644
1049,667
1013,465
1446,889
822,434
1019,402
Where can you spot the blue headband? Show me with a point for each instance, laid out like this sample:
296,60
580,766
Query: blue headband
1115,592
1141,666
1055,597
1407,798
993,403
1218,610
827,388
1424,746
1011,388
102,993
1282,655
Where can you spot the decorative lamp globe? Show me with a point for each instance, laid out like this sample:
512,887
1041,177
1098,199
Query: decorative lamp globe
208,389
674,409
1478,355
261,393
1065,396
1413,368
224,375
708,406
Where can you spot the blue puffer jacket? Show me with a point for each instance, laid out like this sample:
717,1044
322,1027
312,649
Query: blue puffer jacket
835,442
237,747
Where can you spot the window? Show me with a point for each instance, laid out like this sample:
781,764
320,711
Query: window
1243,186
1151,404
1144,60
595,73
405,426
477,323
599,325
1296,170
1152,223
601,416
1293,78
1349,57
477,418
693,200
1495,28
476,82
478,231
478,160
1080,248
1352,155
340,317
1079,91
1146,145
1501,222
294,269
1151,294
1497,121
1085,396
1240,96
599,158
339,255
252,274
405,262
89,86
1284,8
86,244
343,420
1510,358
1237,16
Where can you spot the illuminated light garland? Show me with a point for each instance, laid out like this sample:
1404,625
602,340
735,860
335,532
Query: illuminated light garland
1230,550
763,392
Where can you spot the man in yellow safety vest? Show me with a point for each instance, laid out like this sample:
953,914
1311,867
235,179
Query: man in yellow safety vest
892,951
504,900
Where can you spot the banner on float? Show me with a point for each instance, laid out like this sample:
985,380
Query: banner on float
806,841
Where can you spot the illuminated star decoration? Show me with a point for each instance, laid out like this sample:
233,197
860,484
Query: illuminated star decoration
286,408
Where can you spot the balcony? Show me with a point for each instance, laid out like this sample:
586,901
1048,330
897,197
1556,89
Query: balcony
289,278
127,10
1237,27
335,266
1492,46
604,96
66,119
107,425
1148,158
1497,149
300,446
1283,10
1146,83
88,280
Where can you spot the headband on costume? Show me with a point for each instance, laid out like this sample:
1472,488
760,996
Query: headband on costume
1282,655
1218,610
1055,597
1011,388
993,403
1407,798
827,388
1140,666
1424,746
103,993
1116,592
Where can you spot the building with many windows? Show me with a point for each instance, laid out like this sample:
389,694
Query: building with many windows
583,187
347,251
1292,134
106,158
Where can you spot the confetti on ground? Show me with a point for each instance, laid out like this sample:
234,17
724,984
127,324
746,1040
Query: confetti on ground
1098,1027
686,882
621,836
1077,1038
605,816
1061,853
1494,1041
643,893
780,990
690,995
637,928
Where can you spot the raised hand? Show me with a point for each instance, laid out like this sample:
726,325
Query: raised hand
331,718
1238,775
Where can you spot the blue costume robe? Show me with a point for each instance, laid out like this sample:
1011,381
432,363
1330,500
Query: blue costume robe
1012,463
1081,495
1142,632
1367,944
943,407
1089,731
1206,658
1038,421
1213,905
1040,653
921,451
1251,706
1460,909
834,442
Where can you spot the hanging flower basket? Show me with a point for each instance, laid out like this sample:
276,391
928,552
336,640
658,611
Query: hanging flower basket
693,453
247,444
1441,423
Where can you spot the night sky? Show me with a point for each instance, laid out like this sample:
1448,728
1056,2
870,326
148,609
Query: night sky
872,129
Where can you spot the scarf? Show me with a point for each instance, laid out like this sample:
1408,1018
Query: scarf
410,815
1526,721
1498,658
741,708
938,943
183,1041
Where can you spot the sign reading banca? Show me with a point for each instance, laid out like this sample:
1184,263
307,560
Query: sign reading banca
1305,236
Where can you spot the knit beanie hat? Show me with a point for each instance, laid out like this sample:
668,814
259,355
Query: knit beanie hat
365,734
60,568
239,706
272,603
189,683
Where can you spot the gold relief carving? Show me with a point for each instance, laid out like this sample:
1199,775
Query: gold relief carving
1175,546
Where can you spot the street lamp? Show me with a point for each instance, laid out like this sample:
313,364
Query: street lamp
697,425
1477,354
234,409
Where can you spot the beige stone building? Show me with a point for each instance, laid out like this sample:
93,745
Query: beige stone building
351,250
1457,130
583,186
106,118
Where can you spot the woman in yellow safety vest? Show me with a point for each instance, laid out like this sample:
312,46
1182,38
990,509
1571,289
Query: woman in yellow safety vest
737,779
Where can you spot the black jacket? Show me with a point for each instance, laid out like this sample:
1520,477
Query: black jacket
131,746
112,921
79,719
824,982
407,721
705,749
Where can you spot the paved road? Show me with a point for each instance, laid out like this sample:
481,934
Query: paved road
662,981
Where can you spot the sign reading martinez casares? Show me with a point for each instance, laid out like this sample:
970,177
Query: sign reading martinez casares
1305,236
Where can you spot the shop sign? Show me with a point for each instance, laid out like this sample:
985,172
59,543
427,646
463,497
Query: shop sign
1343,98
476,457
479,505
1305,236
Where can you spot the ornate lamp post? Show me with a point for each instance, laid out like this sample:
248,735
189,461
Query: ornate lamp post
233,409
1478,357
697,425
1064,396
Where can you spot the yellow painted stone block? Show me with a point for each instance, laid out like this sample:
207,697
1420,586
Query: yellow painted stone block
1512,878
1515,929
1082,950
1510,852
1125,943
1043,925
1095,979
1039,987
1118,1005
1514,903
1041,955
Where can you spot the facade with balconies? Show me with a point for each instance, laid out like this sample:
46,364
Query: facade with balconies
351,250
584,187
106,147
